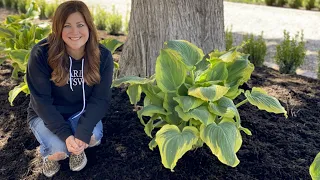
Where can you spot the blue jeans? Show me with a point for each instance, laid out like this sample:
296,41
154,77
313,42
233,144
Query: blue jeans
51,143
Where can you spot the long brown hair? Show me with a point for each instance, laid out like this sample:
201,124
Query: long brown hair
57,54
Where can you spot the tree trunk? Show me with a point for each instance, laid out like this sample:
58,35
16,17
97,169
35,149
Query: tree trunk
152,22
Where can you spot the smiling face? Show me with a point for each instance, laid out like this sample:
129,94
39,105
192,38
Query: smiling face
75,34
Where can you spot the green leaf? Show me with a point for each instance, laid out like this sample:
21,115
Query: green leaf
134,93
130,80
200,113
314,169
19,56
7,32
230,56
211,93
190,53
2,59
15,91
111,44
188,102
217,72
170,72
258,97
226,108
173,143
239,72
223,140
169,104
152,144
148,128
151,110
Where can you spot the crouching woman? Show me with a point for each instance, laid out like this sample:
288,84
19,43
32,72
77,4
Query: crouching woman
69,75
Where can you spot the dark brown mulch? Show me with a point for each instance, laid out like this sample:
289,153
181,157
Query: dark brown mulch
279,148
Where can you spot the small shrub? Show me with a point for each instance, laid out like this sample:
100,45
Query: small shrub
257,49
42,4
309,4
126,23
22,6
319,64
269,2
100,18
295,3
290,53
6,4
49,10
281,3
14,5
229,38
114,22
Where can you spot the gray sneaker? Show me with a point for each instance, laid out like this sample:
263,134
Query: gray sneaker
77,162
50,167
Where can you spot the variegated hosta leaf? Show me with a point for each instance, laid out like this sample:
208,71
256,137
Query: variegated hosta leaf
234,92
152,144
150,126
218,72
169,104
170,71
314,169
111,44
19,56
173,143
239,72
258,97
230,56
131,80
200,113
150,111
16,90
190,53
211,93
223,140
188,102
134,93
225,107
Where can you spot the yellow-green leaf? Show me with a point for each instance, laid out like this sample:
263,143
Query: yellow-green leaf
188,102
151,110
222,140
15,91
314,169
134,93
258,97
111,44
130,80
173,143
170,71
200,113
211,93
225,107
190,53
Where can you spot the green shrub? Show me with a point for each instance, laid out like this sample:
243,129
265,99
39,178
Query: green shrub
257,49
229,38
100,18
22,6
126,23
295,3
6,4
269,2
309,4
49,10
281,3
14,5
42,4
319,64
290,53
114,22
189,101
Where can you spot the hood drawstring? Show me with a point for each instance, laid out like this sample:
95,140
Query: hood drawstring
83,92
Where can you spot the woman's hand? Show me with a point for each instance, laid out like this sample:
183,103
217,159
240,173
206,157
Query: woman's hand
73,146
81,143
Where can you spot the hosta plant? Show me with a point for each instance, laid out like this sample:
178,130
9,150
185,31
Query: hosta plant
189,101
315,168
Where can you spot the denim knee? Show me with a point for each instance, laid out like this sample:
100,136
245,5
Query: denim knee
49,142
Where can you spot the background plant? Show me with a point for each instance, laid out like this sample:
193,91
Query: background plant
100,18
114,22
295,3
257,48
228,38
309,4
50,9
290,53
281,3
319,64
269,2
189,101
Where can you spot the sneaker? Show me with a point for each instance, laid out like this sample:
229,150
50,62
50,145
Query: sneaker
50,167
77,162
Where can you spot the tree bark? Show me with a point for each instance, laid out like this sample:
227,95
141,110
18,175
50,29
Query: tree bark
152,22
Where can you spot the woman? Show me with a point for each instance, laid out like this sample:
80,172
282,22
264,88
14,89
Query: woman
69,76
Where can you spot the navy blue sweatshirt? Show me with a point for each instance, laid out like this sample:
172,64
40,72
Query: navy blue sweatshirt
55,104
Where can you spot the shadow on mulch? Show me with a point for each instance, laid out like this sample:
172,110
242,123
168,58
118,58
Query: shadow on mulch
279,148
